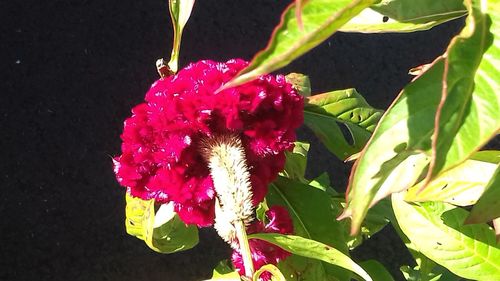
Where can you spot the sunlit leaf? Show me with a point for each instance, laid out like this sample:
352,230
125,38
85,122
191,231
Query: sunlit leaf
488,206
326,113
312,249
468,114
405,16
400,149
163,231
314,218
415,274
322,182
376,219
462,185
320,19
135,211
420,11
436,229
168,233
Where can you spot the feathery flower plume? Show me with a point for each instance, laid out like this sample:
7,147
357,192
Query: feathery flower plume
227,163
234,207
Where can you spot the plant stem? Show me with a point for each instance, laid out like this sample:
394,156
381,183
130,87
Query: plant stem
246,254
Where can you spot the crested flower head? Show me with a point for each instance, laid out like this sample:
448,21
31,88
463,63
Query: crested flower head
263,252
161,151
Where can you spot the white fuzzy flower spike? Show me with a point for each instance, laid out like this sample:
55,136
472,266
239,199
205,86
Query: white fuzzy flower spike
234,209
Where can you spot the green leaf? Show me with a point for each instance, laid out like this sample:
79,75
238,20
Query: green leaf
320,19
376,270
163,232
260,211
496,225
488,206
405,16
180,10
297,268
490,156
313,217
296,161
223,271
422,11
300,83
398,152
323,112
322,182
436,229
468,114
312,249
135,211
166,233
462,185
376,219
427,270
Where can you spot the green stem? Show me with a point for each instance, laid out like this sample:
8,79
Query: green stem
246,254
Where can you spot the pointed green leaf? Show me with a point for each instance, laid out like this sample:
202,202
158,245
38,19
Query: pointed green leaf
436,229
312,249
296,161
180,10
488,206
405,16
376,270
320,19
314,218
324,112
468,115
462,185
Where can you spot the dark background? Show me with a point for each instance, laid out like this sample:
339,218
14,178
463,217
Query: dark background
71,72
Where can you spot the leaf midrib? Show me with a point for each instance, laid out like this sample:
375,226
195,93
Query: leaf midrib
452,14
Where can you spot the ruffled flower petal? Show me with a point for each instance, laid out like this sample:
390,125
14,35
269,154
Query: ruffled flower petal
160,154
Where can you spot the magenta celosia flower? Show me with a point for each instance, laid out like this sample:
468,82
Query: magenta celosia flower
160,151
263,253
